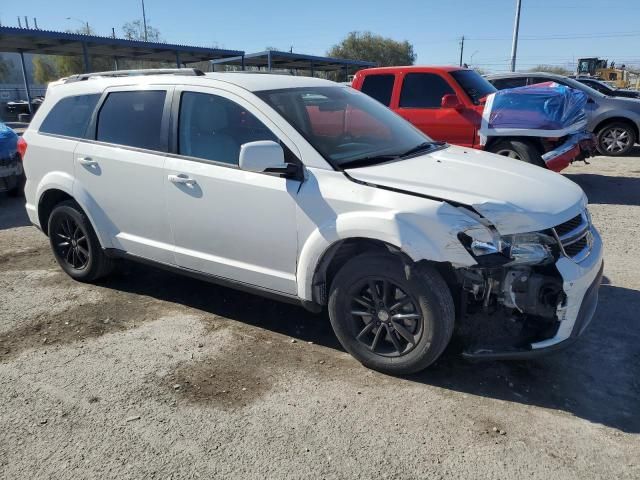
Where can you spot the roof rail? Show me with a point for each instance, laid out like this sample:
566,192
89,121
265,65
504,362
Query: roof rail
134,73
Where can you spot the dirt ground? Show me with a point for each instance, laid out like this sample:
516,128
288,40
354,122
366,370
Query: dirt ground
152,375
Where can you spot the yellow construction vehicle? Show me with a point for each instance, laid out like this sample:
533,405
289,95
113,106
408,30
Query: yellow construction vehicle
619,77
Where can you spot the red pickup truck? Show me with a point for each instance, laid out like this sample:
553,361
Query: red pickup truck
447,104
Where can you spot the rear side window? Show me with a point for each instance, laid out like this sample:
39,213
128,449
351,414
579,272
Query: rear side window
379,87
70,116
423,90
132,118
503,83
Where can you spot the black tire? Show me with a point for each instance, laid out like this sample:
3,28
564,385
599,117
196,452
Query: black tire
519,150
615,139
75,244
423,292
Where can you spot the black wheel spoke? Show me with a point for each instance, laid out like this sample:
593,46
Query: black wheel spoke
364,302
84,253
403,332
400,303
406,316
368,327
376,338
361,313
374,292
395,341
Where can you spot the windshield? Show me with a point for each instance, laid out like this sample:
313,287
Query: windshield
570,82
474,85
347,127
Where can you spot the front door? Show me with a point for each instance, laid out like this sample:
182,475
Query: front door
227,222
420,103
120,172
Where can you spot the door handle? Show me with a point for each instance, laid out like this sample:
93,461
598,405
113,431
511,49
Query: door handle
87,161
182,180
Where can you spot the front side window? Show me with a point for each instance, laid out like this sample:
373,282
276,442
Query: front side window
347,127
423,90
379,87
214,128
132,118
70,116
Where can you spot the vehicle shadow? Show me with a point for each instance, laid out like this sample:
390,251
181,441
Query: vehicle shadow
597,379
12,212
607,189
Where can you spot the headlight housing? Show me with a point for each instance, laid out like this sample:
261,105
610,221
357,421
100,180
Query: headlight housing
492,249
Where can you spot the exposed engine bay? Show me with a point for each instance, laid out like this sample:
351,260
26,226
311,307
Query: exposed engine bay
516,306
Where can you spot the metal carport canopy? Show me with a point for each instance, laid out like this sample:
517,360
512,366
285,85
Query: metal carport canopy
271,59
47,42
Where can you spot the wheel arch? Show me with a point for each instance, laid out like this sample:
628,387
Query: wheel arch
617,119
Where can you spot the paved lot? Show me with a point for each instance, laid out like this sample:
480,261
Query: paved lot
151,375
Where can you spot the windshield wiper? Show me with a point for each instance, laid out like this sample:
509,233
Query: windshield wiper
420,148
366,161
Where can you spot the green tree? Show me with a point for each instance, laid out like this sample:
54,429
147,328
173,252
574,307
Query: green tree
551,69
74,64
134,30
44,70
374,48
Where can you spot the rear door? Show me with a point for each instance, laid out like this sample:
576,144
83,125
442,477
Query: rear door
120,171
420,102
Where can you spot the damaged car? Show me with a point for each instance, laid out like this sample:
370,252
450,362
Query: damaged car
310,192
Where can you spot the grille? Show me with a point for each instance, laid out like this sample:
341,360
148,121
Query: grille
569,225
577,247
574,237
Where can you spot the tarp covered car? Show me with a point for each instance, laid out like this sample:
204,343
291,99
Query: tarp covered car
11,173
547,110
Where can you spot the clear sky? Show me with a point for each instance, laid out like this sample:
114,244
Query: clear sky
576,27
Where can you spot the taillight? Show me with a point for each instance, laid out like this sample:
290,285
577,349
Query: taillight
22,147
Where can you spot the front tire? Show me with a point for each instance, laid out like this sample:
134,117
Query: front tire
75,244
616,139
519,150
391,317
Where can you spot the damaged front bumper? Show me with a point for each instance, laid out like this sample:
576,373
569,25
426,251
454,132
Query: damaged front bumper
580,280
578,146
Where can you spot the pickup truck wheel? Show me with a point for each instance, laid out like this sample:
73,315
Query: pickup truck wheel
519,150
616,139
393,318
75,245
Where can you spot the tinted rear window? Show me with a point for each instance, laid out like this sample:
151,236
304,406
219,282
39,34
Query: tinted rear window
423,90
70,116
379,87
503,83
132,119
474,85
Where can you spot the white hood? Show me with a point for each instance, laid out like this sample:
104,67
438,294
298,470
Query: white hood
515,196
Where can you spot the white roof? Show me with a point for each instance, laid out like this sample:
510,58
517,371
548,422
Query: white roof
249,81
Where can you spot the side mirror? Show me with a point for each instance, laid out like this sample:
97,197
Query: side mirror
451,100
266,156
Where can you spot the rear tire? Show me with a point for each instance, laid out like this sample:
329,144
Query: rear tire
616,139
519,150
18,190
75,245
404,326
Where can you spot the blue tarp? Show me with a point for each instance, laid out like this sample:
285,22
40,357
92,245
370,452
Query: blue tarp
541,110
8,142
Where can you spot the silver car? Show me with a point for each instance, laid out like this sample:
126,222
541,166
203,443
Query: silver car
614,120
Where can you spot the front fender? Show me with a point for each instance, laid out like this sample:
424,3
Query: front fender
395,229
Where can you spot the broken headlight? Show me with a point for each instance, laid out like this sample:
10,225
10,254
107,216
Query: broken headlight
492,249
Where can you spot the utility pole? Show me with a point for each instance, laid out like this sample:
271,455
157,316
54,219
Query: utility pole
144,21
514,45
461,48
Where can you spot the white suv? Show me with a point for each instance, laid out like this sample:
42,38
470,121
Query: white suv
309,191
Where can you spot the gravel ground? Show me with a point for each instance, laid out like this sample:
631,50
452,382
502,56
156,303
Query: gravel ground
151,375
